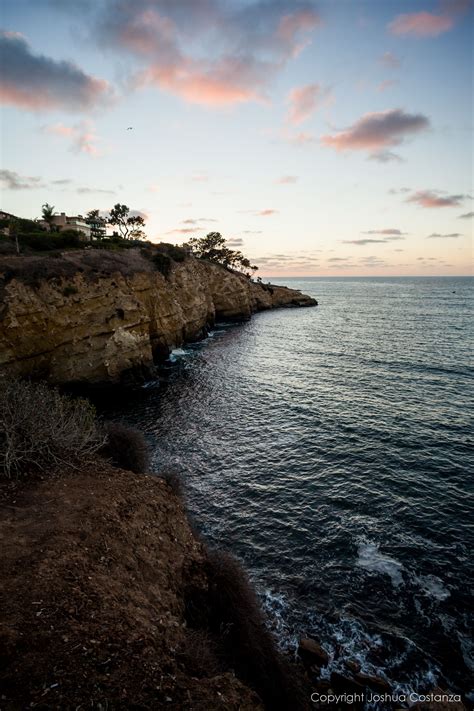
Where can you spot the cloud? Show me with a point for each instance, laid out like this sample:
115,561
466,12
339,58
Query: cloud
386,84
386,157
294,261
304,100
387,231
82,135
35,82
241,47
92,191
436,235
389,234
377,131
362,242
194,221
430,24
389,60
466,216
266,213
421,24
287,179
184,230
236,242
199,178
300,139
10,180
435,198
396,191
252,232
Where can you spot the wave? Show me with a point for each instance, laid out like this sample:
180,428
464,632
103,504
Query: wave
371,558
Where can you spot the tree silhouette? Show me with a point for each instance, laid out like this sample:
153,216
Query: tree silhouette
129,226
213,247
48,215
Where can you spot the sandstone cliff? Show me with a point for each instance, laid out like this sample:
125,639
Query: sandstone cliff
96,316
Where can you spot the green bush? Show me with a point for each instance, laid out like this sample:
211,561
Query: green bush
163,263
69,290
39,241
41,429
49,241
174,251
70,238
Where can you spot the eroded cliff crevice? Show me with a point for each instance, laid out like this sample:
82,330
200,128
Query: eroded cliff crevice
93,317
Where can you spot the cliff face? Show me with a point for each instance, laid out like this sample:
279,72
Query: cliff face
93,317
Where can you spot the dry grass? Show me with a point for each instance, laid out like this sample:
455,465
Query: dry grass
41,429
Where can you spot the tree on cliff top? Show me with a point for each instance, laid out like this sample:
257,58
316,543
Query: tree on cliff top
129,226
47,211
213,247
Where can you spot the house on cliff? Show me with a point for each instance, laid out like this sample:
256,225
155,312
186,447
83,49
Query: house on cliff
69,222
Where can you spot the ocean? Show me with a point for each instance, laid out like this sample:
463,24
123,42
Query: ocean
330,449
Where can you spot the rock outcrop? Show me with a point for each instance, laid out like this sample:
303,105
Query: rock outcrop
95,316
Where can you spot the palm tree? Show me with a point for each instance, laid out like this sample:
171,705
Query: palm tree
48,214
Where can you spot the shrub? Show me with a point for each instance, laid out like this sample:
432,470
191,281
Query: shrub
163,263
39,241
69,290
174,481
40,428
235,614
126,448
174,251
47,241
69,238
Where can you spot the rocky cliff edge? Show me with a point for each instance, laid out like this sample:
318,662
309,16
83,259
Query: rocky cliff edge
97,316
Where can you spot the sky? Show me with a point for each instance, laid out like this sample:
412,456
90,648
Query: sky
325,138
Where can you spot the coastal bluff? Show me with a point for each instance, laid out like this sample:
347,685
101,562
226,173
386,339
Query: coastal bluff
104,317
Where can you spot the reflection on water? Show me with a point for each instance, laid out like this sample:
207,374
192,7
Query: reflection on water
329,448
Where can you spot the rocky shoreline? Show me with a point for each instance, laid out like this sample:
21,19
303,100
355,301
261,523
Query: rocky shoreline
101,317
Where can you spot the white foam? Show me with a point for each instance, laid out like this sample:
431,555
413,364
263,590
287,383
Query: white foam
373,560
432,586
177,353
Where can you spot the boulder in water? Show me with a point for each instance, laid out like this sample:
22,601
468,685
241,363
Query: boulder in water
312,653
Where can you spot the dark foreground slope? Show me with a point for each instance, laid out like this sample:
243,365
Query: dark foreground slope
110,602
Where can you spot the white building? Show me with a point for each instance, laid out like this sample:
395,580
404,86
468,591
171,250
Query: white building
70,222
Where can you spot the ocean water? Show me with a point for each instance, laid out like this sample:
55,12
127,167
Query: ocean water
330,449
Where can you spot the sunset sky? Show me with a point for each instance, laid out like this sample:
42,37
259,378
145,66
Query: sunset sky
321,138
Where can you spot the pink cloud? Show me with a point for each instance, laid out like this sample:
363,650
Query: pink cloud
35,82
304,100
377,131
241,48
389,60
266,213
293,24
83,136
387,84
435,198
421,24
229,81
300,139
287,179
185,230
